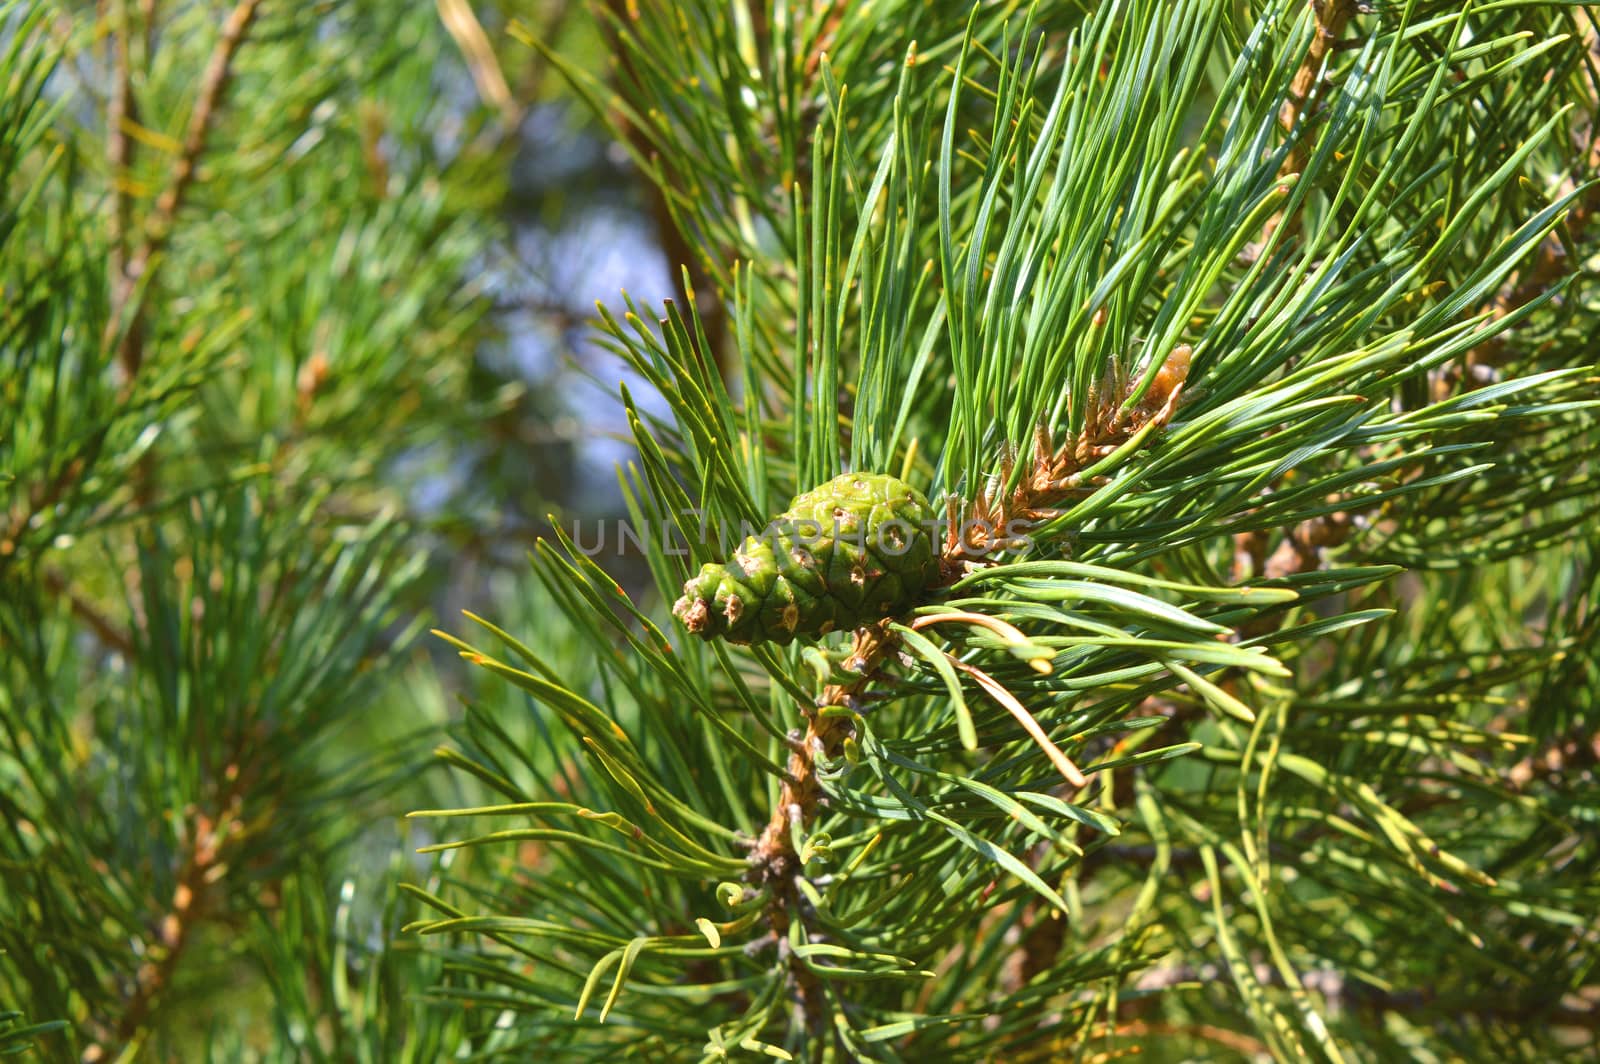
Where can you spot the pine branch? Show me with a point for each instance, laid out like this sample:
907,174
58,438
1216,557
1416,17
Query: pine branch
680,249
1233,1041
127,271
775,863
1330,19
204,859
463,25
1001,520
147,12
123,857
1572,754
207,852
1550,264
927,307
129,294
998,522
120,112
105,629
1300,550
40,500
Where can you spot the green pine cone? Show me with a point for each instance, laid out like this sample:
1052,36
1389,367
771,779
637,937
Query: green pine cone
854,550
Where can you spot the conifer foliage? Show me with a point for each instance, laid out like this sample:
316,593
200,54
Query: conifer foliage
233,281
1230,692
1268,324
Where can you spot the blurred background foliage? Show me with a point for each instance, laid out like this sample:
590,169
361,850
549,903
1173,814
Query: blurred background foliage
295,360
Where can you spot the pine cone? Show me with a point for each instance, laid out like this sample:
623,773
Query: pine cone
854,550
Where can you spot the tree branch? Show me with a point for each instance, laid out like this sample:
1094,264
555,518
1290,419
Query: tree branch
1549,264
202,862
203,858
775,864
1331,18
1143,1030
1054,476
464,28
107,631
128,297
682,253
1577,750
119,152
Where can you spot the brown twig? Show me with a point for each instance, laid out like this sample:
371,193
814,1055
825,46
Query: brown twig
998,521
1578,750
825,35
40,499
106,630
1549,265
1331,18
203,861
1205,1032
1301,549
127,271
203,858
1044,935
461,22
128,297
120,111
119,150
775,863
147,15
682,253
